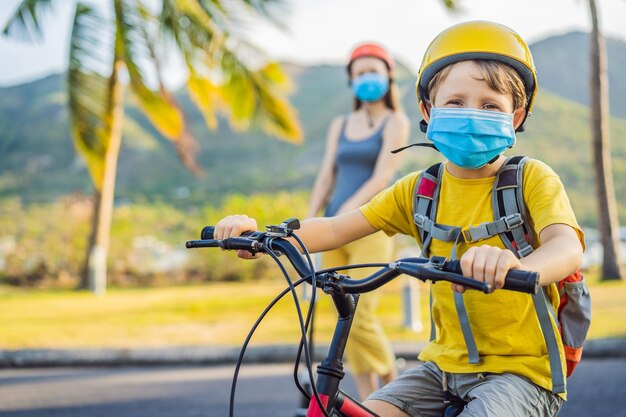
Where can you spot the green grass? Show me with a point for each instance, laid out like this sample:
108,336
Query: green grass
213,314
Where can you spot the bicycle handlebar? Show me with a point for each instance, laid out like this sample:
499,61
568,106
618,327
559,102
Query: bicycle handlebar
433,269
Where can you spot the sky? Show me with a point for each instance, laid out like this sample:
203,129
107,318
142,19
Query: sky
325,31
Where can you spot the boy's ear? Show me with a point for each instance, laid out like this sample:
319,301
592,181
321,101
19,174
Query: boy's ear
519,116
425,110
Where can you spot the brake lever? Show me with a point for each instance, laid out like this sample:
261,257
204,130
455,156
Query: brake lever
284,229
434,270
440,274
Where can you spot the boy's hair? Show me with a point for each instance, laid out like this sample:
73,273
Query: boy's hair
500,77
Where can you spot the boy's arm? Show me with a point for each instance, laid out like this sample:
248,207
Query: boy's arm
559,255
318,233
326,233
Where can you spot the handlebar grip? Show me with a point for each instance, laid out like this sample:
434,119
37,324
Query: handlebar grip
207,232
516,279
208,243
237,243
207,240
522,281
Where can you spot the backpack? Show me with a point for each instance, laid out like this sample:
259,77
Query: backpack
511,223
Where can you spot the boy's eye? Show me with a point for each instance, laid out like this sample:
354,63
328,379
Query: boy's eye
491,106
454,102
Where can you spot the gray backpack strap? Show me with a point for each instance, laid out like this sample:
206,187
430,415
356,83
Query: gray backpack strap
542,306
426,197
433,332
468,335
508,206
508,203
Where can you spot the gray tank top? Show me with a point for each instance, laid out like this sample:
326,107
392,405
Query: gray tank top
355,161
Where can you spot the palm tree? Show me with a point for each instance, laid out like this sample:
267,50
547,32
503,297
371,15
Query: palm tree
607,206
121,47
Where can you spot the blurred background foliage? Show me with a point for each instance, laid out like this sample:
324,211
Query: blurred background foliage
43,243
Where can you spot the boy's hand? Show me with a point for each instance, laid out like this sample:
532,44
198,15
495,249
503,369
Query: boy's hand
234,226
489,264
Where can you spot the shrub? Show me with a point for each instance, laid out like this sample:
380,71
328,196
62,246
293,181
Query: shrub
45,244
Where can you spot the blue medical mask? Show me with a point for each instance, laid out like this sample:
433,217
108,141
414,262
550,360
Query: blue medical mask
370,86
470,138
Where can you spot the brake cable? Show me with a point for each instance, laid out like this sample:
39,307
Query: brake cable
247,341
303,345
309,318
303,329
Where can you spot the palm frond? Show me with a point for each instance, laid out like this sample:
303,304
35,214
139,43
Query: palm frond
192,25
139,31
250,97
232,13
25,23
206,95
269,9
89,89
255,97
133,47
195,27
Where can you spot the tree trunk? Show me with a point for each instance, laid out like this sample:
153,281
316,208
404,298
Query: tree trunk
94,270
607,207
84,274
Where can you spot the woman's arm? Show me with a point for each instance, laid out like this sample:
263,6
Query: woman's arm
326,177
395,135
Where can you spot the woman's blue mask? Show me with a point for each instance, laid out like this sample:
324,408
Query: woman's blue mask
470,138
370,86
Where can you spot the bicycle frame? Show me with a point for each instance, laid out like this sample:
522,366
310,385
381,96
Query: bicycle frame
330,371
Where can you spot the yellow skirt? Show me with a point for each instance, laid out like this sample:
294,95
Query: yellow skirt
368,348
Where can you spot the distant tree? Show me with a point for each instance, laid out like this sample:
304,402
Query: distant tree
122,46
608,222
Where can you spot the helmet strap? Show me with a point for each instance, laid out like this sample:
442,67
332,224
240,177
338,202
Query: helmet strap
424,144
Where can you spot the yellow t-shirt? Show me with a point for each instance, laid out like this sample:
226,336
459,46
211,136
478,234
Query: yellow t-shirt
504,323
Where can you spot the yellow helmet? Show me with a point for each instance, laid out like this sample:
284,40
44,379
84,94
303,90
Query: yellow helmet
478,40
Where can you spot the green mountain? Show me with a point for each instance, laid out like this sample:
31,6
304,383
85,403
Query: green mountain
562,68
38,162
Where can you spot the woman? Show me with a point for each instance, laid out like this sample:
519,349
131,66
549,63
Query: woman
357,165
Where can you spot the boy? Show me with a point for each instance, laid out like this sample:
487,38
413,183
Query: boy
476,86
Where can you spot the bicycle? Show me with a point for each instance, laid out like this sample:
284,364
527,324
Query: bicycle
327,399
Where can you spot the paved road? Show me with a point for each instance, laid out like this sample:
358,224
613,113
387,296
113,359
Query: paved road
598,388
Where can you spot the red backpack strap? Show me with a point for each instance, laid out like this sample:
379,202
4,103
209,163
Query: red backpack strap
425,200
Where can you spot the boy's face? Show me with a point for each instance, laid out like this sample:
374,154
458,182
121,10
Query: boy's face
463,87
